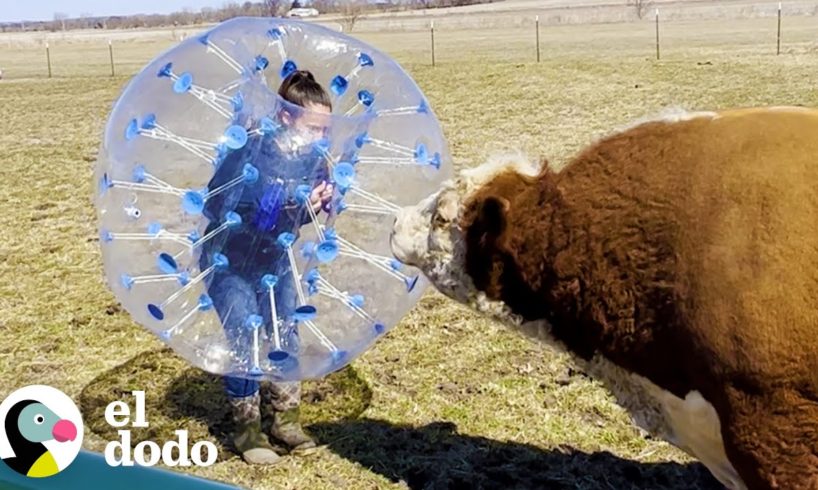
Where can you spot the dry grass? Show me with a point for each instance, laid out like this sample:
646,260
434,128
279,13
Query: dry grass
447,399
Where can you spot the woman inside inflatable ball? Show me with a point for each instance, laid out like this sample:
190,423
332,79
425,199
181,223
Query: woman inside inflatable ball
205,123
286,184
293,155
284,171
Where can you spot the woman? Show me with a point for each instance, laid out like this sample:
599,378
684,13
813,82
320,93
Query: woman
268,207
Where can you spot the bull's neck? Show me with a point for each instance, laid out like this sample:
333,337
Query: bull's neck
536,253
543,269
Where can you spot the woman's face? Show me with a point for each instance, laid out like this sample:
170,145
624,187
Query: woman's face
313,123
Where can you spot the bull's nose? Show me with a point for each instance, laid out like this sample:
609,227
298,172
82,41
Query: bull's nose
396,221
393,245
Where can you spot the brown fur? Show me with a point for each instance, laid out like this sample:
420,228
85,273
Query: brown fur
688,254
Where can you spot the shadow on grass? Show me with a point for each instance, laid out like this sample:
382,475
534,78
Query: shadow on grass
435,456
430,457
178,396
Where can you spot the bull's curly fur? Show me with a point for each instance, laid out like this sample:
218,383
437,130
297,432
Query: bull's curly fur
679,255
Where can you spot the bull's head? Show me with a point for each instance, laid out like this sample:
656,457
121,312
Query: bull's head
464,219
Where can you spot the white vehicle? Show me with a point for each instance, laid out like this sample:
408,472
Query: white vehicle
303,12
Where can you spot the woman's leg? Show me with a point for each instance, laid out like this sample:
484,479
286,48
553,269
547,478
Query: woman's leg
283,399
286,301
235,300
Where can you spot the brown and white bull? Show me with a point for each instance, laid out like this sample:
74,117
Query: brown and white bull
677,261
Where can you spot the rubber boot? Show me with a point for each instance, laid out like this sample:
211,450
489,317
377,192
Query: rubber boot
287,429
249,439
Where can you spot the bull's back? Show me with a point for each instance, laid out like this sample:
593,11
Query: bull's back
752,239
732,201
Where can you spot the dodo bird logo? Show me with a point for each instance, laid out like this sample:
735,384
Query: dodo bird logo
40,431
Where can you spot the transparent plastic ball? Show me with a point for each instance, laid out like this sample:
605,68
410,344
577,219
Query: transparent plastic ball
249,232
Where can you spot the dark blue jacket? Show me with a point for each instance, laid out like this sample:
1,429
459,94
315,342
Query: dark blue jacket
267,207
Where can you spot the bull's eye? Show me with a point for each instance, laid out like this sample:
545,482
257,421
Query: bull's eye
438,221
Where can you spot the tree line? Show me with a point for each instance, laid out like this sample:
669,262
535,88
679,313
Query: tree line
352,9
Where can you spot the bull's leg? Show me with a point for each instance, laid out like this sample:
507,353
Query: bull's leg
772,438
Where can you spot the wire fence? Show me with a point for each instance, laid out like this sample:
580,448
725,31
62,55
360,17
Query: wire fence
84,54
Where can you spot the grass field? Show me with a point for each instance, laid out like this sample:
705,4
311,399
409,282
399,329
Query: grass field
447,400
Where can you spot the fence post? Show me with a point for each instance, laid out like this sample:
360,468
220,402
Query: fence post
432,25
657,34
48,58
111,54
537,24
778,46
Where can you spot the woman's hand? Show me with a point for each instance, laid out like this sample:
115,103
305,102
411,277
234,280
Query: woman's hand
320,195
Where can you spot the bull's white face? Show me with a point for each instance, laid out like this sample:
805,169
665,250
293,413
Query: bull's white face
429,236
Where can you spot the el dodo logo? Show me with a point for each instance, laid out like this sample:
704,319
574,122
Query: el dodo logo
148,453
40,431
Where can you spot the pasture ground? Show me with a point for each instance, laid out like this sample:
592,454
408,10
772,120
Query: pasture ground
447,399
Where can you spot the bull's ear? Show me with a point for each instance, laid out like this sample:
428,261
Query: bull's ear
484,243
491,218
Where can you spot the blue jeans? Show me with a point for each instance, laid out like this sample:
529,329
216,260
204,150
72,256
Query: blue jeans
235,299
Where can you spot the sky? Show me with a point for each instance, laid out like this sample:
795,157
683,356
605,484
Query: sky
16,10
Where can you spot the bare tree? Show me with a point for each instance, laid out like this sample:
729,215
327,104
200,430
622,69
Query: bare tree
136,21
640,7
351,11
59,19
85,20
229,10
208,14
324,6
275,8
251,9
